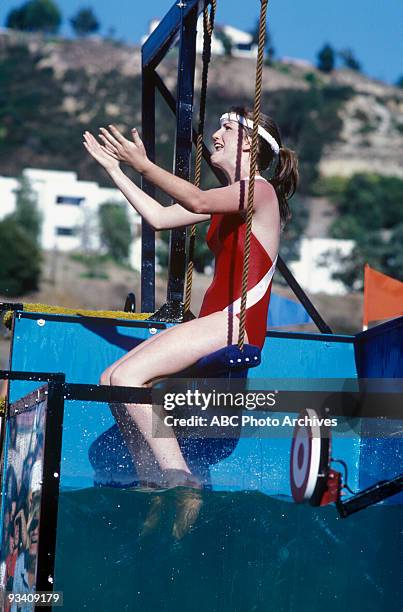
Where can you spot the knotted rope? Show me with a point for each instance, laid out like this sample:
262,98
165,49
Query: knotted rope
252,170
208,27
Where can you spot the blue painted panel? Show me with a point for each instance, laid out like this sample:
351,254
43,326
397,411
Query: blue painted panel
306,356
379,352
82,348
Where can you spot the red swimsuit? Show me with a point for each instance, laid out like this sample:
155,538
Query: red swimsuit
226,239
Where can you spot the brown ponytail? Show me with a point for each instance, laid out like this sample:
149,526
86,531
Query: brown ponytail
285,181
285,164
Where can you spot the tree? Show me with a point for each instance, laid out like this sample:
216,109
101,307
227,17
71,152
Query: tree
399,82
226,42
26,214
371,214
349,61
326,58
35,16
20,259
84,22
116,233
15,19
374,201
369,249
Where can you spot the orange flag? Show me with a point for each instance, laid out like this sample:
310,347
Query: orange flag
383,296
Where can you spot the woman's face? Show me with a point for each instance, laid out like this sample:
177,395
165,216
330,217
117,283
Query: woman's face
230,142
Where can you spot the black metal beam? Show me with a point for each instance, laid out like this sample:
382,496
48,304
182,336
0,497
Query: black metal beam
51,483
173,309
378,492
166,33
147,232
302,296
107,394
171,102
183,144
32,376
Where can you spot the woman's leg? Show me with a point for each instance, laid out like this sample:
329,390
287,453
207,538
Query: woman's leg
105,378
168,353
146,464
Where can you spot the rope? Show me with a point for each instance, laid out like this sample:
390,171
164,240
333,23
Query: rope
252,170
208,27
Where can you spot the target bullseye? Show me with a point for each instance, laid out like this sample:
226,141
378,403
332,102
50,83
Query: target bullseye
309,459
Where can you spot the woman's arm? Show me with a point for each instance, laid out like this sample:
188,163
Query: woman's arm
227,200
159,217
134,154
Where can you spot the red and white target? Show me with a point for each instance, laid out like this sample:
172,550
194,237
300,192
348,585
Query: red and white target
309,459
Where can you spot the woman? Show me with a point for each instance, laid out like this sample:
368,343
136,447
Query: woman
178,347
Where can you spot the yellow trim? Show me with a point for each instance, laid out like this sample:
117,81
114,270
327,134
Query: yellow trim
2,406
102,314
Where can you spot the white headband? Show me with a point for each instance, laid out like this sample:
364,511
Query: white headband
249,124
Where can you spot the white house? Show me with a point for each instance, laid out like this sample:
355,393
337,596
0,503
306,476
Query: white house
242,45
69,209
242,42
312,272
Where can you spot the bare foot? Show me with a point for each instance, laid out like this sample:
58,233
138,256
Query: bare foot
188,504
187,499
153,517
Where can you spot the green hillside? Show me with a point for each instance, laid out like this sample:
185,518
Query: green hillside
52,89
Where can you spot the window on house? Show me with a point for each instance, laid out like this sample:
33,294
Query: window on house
75,201
244,46
65,231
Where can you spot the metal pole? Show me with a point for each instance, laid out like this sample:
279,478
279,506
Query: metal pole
173,308
147,232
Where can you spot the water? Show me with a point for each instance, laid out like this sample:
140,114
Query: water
246,553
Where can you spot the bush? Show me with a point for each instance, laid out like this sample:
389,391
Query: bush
331,187
26,214
116,233
20,259
94,264
373,200
371,214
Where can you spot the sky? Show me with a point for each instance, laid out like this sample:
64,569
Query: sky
371,28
